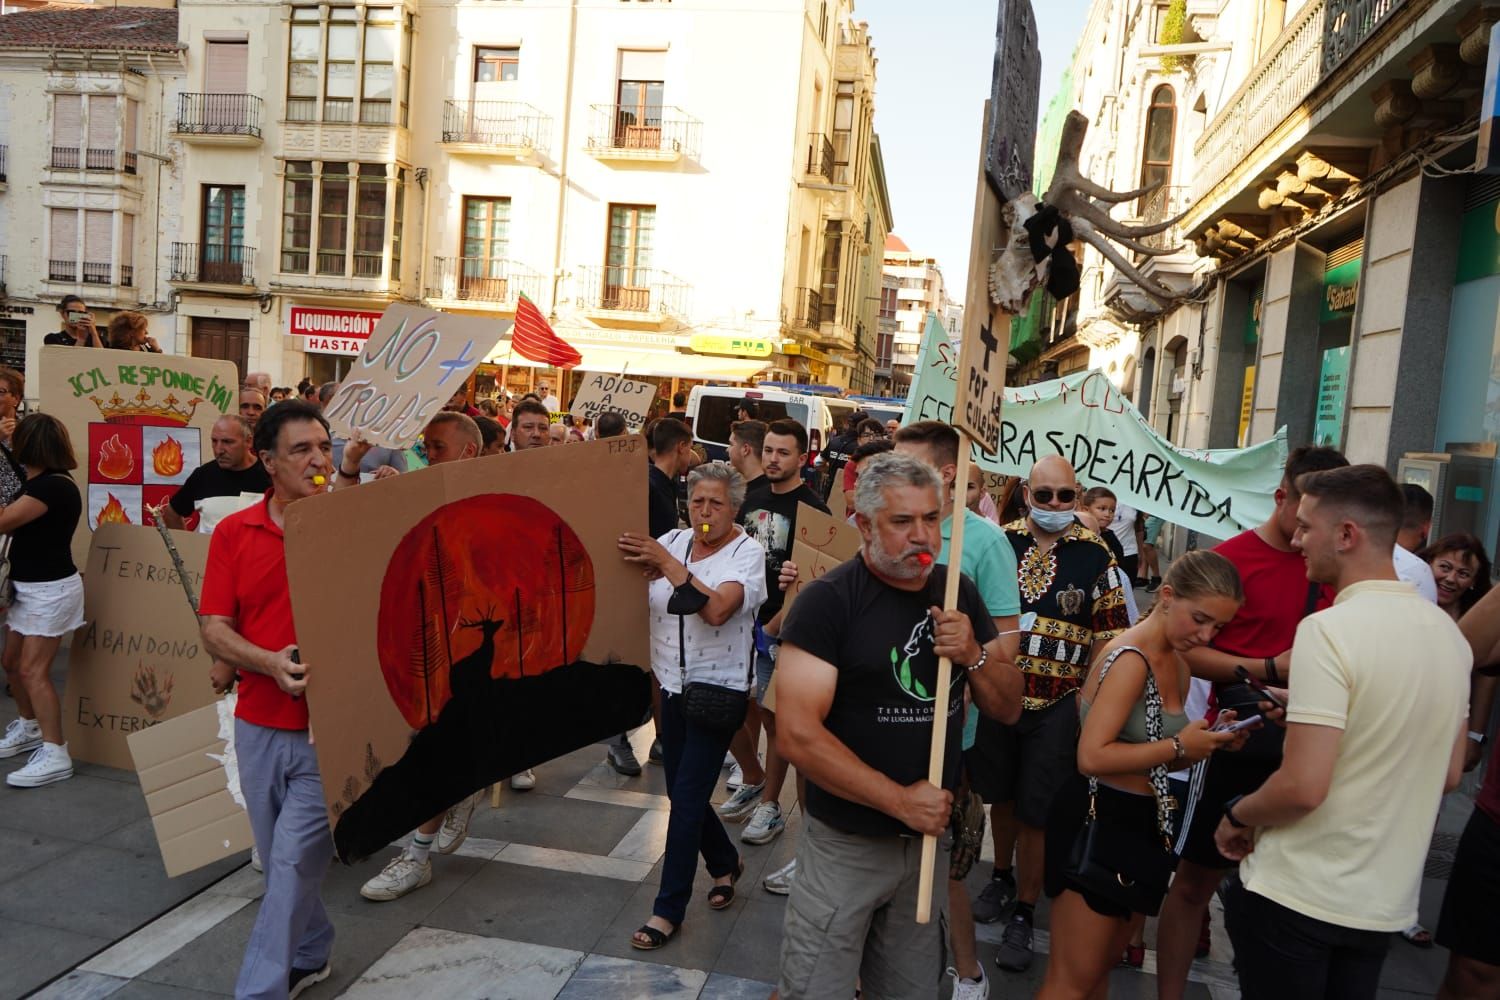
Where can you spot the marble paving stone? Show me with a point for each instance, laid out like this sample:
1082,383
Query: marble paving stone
139,838
244,881
722,987
341,888
86,807
556,822
604,978
624,869
78,985
704,935
523,903
651,781
754,948
126,777
619,797
142,990
480,847
432,962
31,955
164,935
646,840
22,851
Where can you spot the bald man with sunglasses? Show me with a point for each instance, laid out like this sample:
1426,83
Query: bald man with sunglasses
1071,605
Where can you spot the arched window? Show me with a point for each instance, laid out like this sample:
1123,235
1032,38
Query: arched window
1161,126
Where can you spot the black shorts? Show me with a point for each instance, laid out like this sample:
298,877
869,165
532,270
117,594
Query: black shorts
1211,784
1470,923
1028,762
1069,810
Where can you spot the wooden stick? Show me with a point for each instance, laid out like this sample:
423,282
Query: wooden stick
945,671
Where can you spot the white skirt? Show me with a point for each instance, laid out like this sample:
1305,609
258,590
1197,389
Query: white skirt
48,609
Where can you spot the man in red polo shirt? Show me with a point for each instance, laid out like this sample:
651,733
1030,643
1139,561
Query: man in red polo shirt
246,615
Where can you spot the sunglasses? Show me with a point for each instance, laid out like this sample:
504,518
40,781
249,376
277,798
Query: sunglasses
1045,495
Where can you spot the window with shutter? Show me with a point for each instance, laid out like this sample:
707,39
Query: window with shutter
225,72
62,263
98,227
103,132
67,130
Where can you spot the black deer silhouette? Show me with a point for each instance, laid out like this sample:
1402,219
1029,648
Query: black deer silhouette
470,676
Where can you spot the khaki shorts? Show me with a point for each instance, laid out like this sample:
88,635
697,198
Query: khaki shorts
852,918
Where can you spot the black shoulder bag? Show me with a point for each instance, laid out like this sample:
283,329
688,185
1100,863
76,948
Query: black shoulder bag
711,706
1128,865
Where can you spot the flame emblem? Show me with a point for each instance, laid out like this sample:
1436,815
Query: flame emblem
115,459
166,458
113,513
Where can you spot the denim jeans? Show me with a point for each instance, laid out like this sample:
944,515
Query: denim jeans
692,757
1280,954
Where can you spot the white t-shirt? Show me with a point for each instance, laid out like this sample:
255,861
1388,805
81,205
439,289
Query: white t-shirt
1124,528
551,403
1356,860
212,510
716,654
1415,572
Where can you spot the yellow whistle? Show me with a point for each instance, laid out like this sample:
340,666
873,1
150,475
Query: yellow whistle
319,480
704,529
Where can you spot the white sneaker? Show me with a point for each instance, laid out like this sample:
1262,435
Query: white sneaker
255,860
765,824
396,879
455,827
963,989
741,803
736,778
21,736
523,782
729,760
49,762
780,881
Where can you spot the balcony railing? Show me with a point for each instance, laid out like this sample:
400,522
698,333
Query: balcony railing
218,114
644,290
652,132
213,263
481,279
97,273
1322,37
2,164
807,309
96,160
821,158
127,276
62,270
1161,205
66,157
3,260
512,124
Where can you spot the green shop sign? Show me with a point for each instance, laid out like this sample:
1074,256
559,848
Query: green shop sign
1340,291
1479,243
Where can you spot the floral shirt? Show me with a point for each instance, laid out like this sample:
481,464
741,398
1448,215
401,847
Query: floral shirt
1078,606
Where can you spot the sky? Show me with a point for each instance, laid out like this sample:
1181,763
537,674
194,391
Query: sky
932,79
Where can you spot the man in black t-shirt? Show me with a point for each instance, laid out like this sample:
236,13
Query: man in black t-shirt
770,517
840,447
672,456
856,701
235,470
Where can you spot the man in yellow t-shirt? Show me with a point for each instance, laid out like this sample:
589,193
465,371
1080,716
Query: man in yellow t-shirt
1332,845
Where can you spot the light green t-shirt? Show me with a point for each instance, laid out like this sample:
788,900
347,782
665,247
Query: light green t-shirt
990,561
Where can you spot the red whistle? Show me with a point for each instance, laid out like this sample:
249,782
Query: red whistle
925,558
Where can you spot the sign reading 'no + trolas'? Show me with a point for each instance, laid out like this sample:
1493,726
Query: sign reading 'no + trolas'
981,384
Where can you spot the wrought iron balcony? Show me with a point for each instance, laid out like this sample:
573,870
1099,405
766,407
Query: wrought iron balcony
66,157
821,158
235,117
62,270
213,264
644,133
1161,205
493,281
93,159
498,127
3,260
807,309
2,164
646,291
1320,40
97,272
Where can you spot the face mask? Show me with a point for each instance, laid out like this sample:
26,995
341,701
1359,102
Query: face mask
1052,521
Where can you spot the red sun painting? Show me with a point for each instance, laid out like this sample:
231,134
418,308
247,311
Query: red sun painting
494,565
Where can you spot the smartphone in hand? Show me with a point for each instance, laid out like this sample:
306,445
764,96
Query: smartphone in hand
1258,686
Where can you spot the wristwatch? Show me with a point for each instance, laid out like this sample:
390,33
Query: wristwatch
984,655
1229,813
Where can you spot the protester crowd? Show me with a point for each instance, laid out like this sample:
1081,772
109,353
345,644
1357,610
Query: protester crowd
1277,726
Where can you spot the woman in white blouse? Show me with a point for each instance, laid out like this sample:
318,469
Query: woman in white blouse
716,574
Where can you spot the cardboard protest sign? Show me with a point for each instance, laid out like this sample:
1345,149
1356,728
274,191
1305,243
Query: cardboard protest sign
139,423
412,364
1084,418
197,820
138,661
465,622
614,394
821,543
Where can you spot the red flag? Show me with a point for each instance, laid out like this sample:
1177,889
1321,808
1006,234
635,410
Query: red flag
533,338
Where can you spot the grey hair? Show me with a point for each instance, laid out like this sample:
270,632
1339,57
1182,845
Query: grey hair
243,424
720,472
893,468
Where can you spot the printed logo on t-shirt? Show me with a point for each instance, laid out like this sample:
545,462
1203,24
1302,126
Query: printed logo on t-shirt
774,533
901,661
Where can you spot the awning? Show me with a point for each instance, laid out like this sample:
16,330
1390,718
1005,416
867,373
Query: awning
644,361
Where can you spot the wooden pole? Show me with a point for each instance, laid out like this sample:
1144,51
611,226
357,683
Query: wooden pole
945,672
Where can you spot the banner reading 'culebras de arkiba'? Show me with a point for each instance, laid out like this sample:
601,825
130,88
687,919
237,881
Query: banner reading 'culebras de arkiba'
1084,418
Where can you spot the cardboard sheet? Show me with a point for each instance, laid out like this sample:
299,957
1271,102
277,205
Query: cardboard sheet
139,660
614,394
465,622
139,423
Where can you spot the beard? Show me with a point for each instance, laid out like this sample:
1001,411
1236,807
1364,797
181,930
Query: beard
896,567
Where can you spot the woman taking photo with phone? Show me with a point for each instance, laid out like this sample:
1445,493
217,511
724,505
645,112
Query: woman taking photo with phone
48,601
1109,851
78,325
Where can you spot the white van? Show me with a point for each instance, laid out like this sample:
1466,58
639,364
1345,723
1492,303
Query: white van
711,411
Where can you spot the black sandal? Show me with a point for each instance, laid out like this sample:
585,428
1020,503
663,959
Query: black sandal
658,938
720,896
